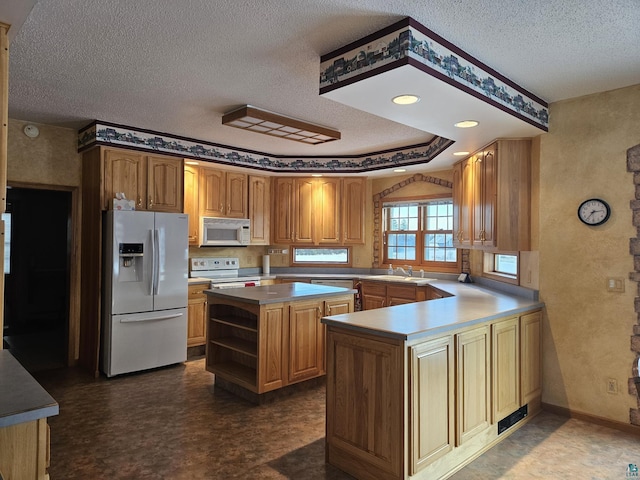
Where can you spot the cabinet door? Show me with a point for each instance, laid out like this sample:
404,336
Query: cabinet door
236,195
336,306
365,405
196,316
259,206
303,206
328,221
125,172
165,182
191,199
464,234
353,210
505,368
530,357
283,211
484,198
432,418
272,362
473,375
374,295
306,344
400,294
212,192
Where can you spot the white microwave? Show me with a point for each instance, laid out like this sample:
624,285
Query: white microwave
224,232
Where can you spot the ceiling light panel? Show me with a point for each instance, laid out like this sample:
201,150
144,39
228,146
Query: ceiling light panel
262,121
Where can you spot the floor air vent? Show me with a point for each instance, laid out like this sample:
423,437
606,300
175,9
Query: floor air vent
512,419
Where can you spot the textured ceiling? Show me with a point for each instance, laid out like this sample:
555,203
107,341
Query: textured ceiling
178,66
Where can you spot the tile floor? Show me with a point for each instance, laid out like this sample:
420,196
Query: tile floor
173,424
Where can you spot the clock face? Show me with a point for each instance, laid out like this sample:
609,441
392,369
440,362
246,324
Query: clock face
594,211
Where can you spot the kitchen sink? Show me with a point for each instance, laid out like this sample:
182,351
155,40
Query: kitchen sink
400,279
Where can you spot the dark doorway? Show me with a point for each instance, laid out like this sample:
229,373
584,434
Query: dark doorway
36,300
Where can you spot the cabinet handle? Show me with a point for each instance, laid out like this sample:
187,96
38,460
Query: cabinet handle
221,208
228,208
139,201
319,313
150,202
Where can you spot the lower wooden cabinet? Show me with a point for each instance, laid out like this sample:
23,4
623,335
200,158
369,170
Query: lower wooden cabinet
432,401
378,294
365,422
197,315
473,383
306,341
457,387
505,339
24,450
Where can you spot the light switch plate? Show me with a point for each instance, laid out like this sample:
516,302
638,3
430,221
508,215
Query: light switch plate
615,284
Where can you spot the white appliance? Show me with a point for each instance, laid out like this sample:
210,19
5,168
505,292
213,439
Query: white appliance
218,232
145,290
222,272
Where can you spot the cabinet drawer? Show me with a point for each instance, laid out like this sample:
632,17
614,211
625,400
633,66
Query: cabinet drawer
374,289
401,291
197,291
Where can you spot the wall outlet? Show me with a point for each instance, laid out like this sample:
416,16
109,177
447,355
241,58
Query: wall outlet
612,386
615,284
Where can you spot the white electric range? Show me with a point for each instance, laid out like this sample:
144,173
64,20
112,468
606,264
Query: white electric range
222,272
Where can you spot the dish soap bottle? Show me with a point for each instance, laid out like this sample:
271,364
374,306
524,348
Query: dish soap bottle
390,271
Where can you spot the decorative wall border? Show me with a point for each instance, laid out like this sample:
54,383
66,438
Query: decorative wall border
409,42
633,165
104,133
377,214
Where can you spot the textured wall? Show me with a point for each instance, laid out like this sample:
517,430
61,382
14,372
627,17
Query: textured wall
587,329
51,158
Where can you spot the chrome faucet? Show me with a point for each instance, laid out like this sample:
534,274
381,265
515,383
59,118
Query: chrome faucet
410,267
401,270
404,272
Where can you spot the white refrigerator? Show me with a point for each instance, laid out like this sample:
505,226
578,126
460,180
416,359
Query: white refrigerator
145,290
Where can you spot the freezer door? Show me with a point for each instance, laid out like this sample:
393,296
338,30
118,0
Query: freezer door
130,277
172,260
142,341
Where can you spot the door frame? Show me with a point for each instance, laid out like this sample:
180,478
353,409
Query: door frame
73,338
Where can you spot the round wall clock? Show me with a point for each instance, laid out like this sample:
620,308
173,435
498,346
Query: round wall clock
594,211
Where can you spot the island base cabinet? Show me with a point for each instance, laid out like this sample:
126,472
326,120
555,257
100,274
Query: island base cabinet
24,450
365,405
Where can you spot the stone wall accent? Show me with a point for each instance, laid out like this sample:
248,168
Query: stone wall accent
633,165
377,214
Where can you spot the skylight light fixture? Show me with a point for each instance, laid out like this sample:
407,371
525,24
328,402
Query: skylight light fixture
262,121
406,99
466,124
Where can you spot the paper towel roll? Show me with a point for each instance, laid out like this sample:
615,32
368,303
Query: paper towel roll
265,264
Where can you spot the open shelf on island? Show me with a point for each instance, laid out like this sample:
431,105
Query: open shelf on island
242,373
237,344
243,323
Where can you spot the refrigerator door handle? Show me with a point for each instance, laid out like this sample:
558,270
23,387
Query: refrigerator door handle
153,263
156,261
166,317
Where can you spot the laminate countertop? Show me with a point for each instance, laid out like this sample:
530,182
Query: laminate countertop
469,305
22,399
283,292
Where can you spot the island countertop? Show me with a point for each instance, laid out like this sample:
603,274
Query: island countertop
284,292
22,399
470,304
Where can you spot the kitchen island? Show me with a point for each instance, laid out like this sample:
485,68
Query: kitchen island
419,390
260,339
24,433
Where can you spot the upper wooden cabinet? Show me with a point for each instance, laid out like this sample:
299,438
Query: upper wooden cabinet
491,197
259,209
191,202
153,182
223,193
319,211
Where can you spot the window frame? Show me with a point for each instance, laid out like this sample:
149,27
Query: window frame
293,262
434,266
489,271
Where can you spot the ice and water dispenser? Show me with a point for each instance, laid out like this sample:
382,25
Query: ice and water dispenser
131,262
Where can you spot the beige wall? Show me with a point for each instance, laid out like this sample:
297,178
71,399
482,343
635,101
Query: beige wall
51,158
587,329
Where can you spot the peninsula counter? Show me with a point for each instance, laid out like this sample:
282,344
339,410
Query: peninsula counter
419,390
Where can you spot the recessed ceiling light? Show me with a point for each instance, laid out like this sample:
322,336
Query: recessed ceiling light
466,124
406,99
400,170
460,154
316,174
